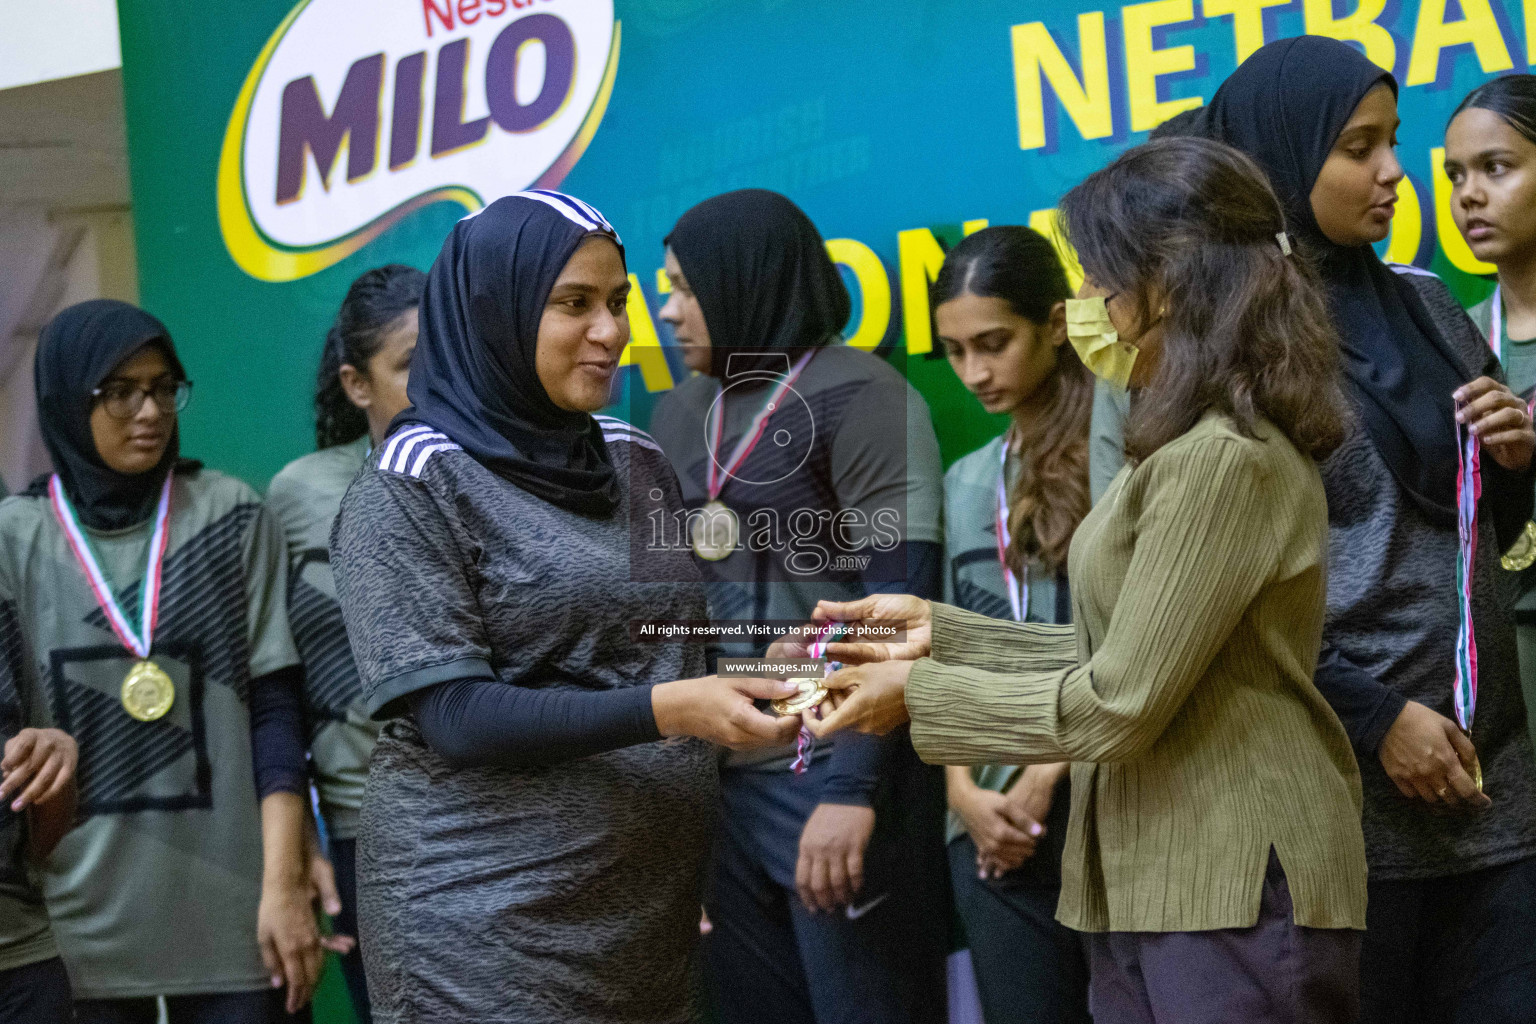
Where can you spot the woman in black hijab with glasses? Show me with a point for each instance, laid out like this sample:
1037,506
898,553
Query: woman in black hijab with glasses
810,469
142,610
528,850
1450,819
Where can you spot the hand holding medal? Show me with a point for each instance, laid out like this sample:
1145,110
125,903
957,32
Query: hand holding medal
147,692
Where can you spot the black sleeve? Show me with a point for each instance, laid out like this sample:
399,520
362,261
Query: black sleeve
277,733
1365,705
483,721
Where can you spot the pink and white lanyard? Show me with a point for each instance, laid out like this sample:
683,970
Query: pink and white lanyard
1469,488
138,641
1018,590
805,743
717,473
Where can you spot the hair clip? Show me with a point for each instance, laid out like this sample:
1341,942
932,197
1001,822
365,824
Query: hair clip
1285,243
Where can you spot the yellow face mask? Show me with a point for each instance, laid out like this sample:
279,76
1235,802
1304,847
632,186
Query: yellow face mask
1097,342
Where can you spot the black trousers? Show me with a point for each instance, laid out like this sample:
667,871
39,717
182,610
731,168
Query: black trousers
769,960
263,1007
344,860
1454,950
35,994
1029,969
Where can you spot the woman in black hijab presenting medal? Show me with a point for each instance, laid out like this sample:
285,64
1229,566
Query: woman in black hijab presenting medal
809,468
143,598
527,850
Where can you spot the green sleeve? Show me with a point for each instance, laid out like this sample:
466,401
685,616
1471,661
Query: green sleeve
969,640
266,595
1205,545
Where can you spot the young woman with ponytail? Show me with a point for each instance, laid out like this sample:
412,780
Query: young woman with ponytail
1010,509
359,389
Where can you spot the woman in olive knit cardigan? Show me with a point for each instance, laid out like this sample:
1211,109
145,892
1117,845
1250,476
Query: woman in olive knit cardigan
1214,850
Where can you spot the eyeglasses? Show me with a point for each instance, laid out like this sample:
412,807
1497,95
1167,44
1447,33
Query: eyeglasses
123,399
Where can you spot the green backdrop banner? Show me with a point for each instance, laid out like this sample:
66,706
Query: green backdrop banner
278,149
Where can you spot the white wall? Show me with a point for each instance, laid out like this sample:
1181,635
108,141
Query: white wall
47,39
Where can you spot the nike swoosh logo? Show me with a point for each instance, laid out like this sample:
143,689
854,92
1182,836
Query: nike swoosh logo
854,913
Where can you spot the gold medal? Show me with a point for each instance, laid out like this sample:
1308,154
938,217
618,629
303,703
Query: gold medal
715,531
148,692
809,694
1522,553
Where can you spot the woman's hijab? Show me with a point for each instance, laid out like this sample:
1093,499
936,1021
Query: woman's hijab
1285,107
474,375
76,353
763,278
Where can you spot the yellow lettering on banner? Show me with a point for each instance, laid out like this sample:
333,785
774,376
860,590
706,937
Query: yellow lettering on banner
1035,54
1048,223
874,290
1247,21
970,227
1407,225
644,348
920,257
1433,34
1359,27
1530,32
663,282
1452,244
1144,64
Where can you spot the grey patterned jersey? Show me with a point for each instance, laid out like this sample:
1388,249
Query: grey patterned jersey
168,809
1392,611
558,893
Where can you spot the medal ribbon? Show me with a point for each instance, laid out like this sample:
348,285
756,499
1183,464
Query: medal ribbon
149,595
805,743
1018,590
1469,488
716,474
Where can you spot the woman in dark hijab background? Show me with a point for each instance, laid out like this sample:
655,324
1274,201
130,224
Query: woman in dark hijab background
176,698
527,851
1452,909
827,894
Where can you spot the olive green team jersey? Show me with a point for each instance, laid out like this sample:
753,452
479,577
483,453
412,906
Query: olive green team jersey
305,497
156,890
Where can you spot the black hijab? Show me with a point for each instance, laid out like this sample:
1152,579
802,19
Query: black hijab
474,375
1285,107
763,278
76,352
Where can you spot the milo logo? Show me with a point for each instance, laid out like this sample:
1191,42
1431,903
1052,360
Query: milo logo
355,115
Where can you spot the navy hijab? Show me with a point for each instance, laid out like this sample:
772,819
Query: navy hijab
1285,107
763,278
76,352
474,375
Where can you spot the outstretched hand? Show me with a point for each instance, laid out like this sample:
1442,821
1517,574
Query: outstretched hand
868,698
720,709
914,612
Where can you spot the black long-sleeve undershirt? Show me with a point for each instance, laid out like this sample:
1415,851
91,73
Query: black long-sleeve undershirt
277,733
483,721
